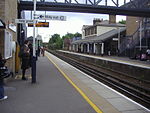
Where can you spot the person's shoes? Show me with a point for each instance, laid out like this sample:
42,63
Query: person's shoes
5,97
24,78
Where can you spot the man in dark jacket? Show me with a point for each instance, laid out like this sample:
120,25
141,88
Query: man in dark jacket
25,57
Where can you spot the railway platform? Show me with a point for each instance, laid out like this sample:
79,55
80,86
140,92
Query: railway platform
116,59
122,65
61,88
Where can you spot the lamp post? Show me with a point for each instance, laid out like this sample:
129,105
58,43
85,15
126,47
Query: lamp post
34,52
140,24
140,39
118,41
140,35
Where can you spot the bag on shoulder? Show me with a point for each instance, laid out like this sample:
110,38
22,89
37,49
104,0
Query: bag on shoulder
4,72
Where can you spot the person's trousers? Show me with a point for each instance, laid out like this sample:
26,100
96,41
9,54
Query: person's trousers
1,91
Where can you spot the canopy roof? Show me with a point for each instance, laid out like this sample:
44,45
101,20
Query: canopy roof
100,38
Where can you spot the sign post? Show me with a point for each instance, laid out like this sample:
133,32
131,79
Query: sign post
34,51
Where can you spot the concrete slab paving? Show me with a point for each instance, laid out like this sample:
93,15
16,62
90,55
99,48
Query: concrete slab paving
135,111
123,104
51,94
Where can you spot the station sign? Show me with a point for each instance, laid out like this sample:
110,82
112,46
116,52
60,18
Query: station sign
115,39
21,21
39,24
51,17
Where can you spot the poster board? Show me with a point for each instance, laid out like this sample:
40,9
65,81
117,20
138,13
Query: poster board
7,45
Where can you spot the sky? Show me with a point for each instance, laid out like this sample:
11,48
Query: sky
73,23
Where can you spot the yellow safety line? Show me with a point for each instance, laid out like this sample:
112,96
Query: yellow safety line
78,89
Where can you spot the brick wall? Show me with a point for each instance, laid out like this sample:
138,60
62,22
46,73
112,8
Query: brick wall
131,25
8,13
112,19
2,10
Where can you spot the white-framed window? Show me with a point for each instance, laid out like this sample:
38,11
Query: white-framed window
7,45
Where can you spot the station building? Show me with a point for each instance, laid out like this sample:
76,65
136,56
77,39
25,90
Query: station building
101,38
111,38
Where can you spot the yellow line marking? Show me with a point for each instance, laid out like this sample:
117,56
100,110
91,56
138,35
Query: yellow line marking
78,89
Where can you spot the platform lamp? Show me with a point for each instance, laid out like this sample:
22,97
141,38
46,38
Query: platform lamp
118,39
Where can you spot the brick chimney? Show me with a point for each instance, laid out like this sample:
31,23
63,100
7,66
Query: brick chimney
112,19
97,21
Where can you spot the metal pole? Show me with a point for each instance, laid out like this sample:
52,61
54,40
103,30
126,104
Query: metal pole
102,49
118,38
34,52
34,28
140,35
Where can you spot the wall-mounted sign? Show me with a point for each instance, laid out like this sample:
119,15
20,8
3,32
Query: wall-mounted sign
2,24
12,27
115,39
39,24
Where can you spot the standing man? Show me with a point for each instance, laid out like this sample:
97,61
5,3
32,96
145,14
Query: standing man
25,57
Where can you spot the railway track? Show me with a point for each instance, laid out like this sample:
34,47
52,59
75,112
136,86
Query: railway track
133,91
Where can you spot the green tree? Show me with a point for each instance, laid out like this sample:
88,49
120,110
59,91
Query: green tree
77,34
68,35
55,42
122,22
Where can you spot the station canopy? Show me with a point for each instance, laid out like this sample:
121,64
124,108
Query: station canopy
100,38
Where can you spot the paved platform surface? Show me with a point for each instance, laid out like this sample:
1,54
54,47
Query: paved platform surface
61,88
51,94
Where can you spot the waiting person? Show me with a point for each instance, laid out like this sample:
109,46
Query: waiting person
148,54
39,50
43,51
25,57
2,63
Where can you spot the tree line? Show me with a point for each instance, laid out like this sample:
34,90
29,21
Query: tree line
56,41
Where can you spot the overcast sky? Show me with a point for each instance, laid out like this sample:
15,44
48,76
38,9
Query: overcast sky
73,23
